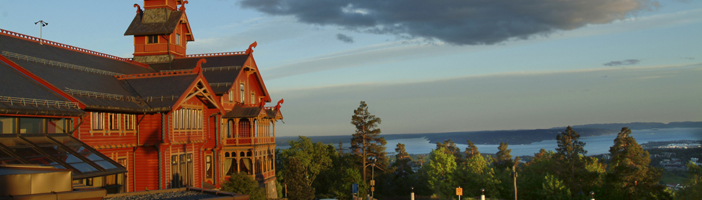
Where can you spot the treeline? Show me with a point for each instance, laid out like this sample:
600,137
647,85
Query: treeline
310,170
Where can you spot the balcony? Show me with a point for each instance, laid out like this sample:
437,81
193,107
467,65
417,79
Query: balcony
245,141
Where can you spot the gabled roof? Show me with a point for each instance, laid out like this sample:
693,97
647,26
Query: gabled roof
21,95
155,21
163,91
220,71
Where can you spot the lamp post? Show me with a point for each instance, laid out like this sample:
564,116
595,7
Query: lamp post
482,196
412,194
43,24
592,194
373,178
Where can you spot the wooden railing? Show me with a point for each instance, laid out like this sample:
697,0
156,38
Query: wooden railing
216,54
249,140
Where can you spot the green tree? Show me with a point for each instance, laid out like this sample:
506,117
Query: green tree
450,148
313,157
629,171
569,151
503,159
403,162
297,180
475,173
693,185
533,174
553,188
243,183
440,171
366,141
471,150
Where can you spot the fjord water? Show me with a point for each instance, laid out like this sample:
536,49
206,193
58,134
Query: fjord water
594,145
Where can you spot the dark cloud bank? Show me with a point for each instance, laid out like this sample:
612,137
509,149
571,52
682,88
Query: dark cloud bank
460,22
622,62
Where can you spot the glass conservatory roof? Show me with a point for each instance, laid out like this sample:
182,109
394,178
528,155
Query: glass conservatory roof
58,150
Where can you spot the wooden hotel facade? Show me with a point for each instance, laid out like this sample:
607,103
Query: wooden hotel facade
164,118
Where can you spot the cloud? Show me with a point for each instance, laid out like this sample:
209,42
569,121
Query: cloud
622,62
688,58
456,22
344,38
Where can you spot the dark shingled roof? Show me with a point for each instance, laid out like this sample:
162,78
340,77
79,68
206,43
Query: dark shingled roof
191,62
168,87
85,79
145,24
218,69
243,112
53,53
16,86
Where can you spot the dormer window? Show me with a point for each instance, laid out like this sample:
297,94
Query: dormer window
153,39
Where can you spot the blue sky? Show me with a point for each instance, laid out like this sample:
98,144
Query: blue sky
631,61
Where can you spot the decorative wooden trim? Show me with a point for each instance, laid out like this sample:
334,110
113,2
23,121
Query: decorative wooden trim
59,64
38,102
216,54
153,75
69,47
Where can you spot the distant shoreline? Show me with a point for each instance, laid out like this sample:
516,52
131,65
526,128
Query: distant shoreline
513,137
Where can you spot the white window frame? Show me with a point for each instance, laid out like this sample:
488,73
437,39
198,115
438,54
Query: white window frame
96,121
113,121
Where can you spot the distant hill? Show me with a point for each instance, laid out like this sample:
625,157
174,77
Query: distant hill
512,137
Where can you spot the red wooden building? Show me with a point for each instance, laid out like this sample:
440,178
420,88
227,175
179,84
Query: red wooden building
166,119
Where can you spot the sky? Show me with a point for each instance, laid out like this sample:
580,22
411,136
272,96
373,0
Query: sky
431,66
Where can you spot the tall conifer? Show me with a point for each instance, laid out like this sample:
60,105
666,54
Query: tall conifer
569,151
366,141
629,170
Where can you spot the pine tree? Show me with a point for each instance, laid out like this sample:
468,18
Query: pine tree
450,147
402,162
471,150
366,141
569,151
503,159
629,170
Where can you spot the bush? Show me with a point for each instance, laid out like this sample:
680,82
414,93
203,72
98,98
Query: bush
243,183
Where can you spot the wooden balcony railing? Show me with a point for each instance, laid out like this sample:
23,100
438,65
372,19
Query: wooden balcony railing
249,140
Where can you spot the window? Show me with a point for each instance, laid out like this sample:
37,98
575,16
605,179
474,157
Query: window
113,121
241,88
174,115
7,125
152,39
187,119
177,39
31,125
231,96
57,125
208,166
96,122
253,98
129,121
122,161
